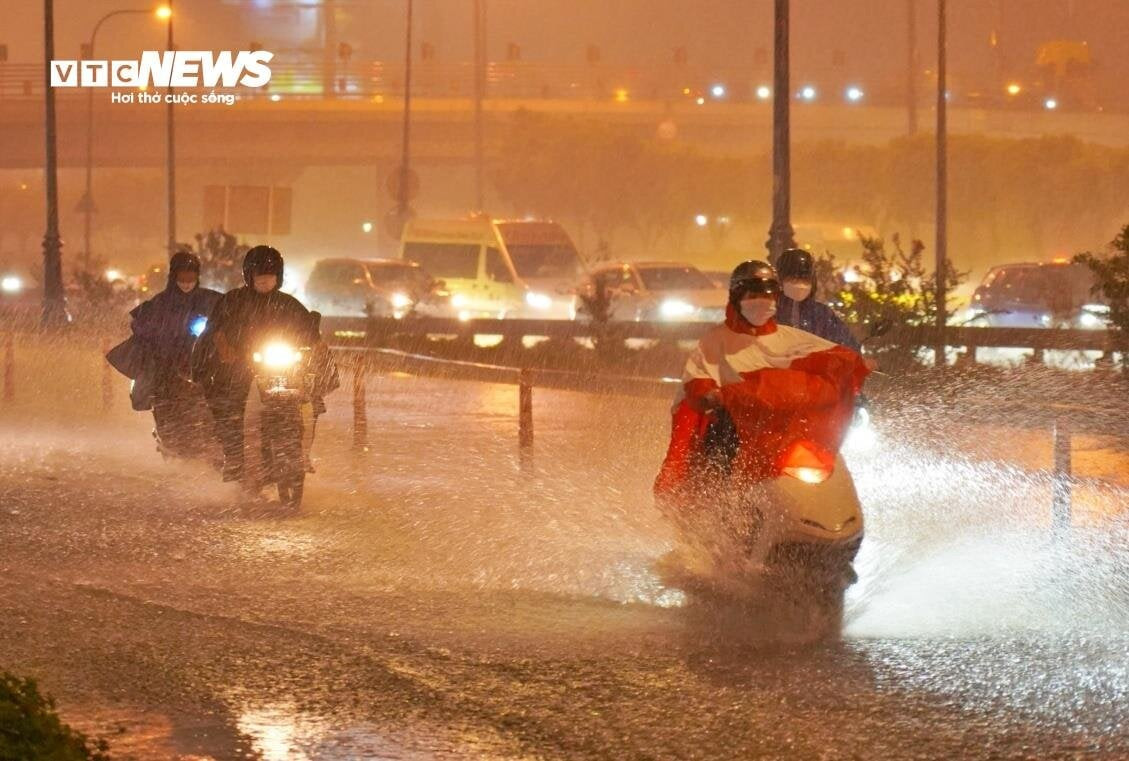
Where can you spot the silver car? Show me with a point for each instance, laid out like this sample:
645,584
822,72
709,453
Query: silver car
375,287
657,291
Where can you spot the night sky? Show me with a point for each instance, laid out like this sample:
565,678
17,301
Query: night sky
716,33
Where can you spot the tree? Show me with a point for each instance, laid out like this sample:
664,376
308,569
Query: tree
1111,271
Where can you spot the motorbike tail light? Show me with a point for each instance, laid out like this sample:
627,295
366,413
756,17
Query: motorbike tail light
808,462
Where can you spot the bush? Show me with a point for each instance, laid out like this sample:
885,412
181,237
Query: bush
30,728
891,286
1111,272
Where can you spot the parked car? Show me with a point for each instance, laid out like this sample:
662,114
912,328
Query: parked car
651,291
1033,295
377,287
498,268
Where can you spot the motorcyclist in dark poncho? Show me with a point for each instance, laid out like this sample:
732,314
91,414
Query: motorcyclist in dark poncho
242,320
157,356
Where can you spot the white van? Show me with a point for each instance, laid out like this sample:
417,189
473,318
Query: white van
498,268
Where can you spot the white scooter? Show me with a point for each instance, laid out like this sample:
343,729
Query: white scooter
795,532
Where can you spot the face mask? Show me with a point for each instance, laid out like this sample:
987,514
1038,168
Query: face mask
797,291
758,311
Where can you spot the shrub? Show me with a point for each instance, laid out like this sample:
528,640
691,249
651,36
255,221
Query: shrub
30,728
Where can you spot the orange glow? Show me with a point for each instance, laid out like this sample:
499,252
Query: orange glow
1014,89
621,96
164,12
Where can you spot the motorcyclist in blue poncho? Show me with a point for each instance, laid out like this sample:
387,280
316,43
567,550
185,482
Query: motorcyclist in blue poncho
797,306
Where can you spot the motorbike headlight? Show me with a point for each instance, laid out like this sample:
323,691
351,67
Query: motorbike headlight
861,436
538,300
672,308
197,326
278,356
400,300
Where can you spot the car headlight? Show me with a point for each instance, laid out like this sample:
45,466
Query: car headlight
278,356
459,300
1093,316
197,326
672,308
400,300
11,284
538,300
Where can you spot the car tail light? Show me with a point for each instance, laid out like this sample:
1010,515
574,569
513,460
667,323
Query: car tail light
808,462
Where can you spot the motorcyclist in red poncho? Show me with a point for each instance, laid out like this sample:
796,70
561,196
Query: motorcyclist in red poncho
758,399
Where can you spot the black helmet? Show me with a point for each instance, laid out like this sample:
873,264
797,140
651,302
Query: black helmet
752,276
182,261
796,263
262,260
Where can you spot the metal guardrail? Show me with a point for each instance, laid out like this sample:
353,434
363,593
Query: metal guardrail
361,361
341,330
1062,420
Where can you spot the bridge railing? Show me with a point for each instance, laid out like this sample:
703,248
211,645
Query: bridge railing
376,79
346,331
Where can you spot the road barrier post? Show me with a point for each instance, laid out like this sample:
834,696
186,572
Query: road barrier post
107,381
525,415
360,412
1060,511
9,368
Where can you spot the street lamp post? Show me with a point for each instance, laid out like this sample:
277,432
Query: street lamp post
942,186
54,299
87,205
479,94
911,67
171,146
780,235
406,153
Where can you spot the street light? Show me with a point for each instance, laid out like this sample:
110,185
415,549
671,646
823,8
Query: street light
54,313
171,142
87,204
781,236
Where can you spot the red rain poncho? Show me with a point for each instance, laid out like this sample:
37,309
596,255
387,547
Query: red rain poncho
781,385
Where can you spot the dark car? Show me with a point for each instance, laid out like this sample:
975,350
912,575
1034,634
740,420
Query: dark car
378,287
1031,295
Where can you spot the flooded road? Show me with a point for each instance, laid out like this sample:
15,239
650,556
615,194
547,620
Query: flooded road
434,601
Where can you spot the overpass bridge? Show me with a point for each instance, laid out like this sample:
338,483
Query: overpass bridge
351,114
345,132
